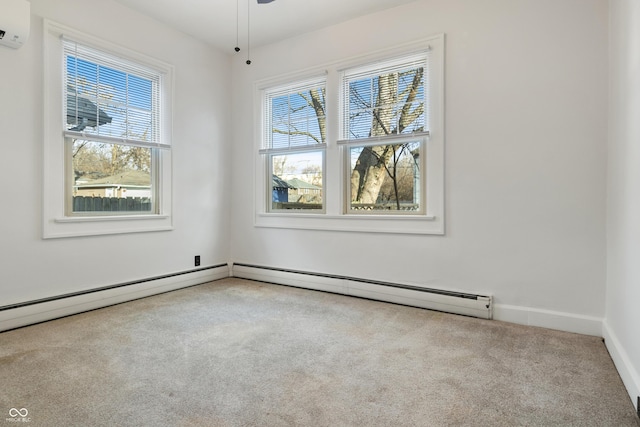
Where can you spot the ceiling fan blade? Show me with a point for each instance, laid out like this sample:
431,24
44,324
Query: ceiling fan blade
264,1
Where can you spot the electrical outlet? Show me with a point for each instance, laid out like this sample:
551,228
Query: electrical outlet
197,260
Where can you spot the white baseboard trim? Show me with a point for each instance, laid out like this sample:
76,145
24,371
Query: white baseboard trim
52,308
627,371
586,325
434,299
561,321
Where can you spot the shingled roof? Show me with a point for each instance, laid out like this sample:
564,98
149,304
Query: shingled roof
298,183
277,182
132,178
83,113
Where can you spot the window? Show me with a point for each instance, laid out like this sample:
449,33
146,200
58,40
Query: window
384,178
294,143
380,148
107,145
109,99
382,103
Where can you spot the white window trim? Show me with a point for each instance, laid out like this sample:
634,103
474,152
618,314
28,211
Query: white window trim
55,223
432,222
266,151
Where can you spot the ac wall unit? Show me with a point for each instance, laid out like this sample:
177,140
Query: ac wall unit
15,22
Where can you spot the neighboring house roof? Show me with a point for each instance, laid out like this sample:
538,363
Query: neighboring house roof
82,112
132,178
298,183
277,182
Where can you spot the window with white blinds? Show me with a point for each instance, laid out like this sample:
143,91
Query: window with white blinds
384,126
110,99
369,147
295,116
294,143
107,136
385,98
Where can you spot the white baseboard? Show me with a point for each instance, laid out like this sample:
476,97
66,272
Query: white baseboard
586,325
24,315
561,321
471,305
627,371
28,314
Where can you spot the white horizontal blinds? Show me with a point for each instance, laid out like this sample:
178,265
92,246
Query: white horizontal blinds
110,99
295,117
386,98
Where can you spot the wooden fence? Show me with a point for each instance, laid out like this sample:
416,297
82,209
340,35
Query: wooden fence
295,205
111,204
384,207
354,206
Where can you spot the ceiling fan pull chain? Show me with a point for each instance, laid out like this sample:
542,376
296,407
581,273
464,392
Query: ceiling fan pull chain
248,32
237,49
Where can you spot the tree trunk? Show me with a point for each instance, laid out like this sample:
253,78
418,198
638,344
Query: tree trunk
371,170
317,102
369,174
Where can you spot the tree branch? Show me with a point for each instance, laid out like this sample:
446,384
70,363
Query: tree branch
297,132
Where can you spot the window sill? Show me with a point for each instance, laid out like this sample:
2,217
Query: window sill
101,218
64,227
364,216
395,224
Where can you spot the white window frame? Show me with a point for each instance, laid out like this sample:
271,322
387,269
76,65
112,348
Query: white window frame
376,68
269,152
58,221
421,139
336,174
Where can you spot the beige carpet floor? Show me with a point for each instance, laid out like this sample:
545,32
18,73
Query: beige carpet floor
241,353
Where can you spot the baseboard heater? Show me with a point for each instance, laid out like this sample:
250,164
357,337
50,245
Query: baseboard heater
40,310
434,299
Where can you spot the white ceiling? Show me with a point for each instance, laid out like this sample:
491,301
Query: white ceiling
218,21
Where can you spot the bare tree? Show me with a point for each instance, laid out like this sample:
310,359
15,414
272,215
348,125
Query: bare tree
400,187
101,159
377,163
395,108
281,166
315,99
313,174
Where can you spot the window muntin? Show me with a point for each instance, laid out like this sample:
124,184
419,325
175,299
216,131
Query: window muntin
294,143
381,103
112,133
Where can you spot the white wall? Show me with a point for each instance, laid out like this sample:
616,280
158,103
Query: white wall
526,130
622,316
526,108
32,268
